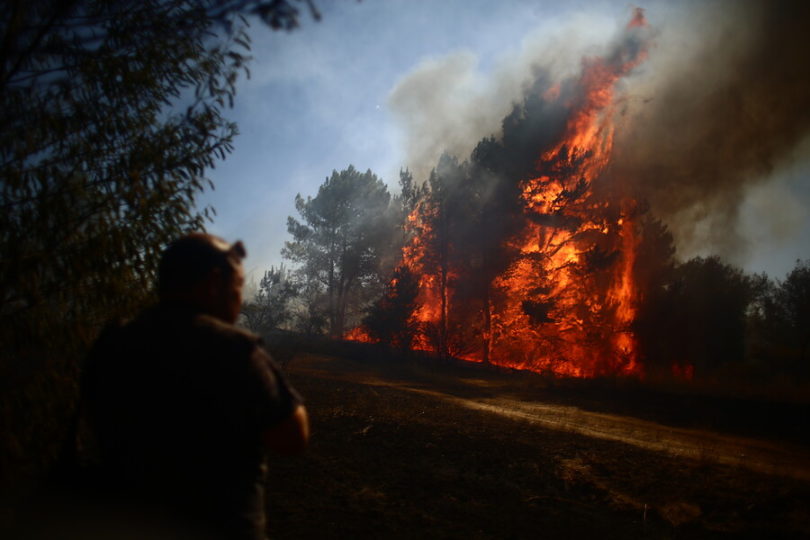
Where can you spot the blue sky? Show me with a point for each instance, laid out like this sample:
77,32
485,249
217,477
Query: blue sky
327,95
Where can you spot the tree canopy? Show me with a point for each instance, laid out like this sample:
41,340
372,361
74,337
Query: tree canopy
271,307
342,241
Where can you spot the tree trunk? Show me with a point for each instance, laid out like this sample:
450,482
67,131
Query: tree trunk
487,333
332,300
443,270
337,312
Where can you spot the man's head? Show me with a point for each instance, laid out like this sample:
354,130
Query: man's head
204,272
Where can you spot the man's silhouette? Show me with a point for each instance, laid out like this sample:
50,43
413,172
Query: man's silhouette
184,405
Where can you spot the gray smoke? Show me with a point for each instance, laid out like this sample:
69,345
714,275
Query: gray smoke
441,105
447,104
722,101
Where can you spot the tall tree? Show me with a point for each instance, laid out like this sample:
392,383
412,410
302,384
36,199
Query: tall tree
346,231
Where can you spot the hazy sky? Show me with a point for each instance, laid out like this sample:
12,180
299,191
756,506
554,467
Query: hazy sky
381,83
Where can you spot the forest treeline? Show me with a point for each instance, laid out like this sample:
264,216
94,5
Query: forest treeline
696,319
701,317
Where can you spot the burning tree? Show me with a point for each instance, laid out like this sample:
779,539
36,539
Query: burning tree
526,253
541,250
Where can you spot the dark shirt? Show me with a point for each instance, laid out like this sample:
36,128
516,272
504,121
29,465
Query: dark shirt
178,402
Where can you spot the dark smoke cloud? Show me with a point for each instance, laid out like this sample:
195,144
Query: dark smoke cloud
721,104
722,101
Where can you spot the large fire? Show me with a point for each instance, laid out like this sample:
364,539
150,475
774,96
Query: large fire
567,299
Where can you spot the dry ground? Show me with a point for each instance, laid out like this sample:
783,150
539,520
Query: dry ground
414,450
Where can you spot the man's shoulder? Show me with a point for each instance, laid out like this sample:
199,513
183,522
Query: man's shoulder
174,325
221,330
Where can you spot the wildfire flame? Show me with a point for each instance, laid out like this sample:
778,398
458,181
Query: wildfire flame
567,300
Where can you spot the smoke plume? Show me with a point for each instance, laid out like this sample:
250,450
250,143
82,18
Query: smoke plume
720,103
448,104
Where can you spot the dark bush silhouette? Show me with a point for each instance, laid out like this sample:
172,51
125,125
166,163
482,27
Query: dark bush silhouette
695,320
390,319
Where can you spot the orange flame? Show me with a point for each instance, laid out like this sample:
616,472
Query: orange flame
567,301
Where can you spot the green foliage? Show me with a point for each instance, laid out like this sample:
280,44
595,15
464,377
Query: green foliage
343,243
110,115
271,308
409,194
312,309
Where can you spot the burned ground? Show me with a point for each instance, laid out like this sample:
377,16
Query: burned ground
398,451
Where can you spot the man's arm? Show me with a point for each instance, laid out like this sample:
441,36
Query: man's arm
289,437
